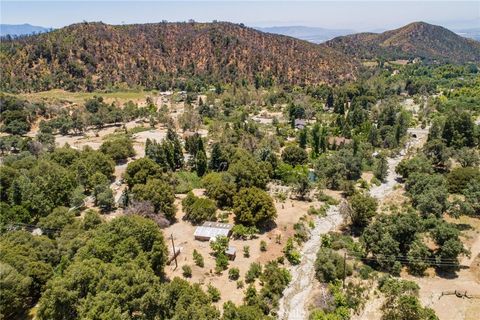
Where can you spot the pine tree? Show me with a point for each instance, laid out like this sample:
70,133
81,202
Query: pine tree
201,163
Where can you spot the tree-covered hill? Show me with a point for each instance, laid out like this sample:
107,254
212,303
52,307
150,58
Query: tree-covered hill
91,56
414,40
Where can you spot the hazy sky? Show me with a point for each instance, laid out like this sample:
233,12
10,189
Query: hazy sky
357,15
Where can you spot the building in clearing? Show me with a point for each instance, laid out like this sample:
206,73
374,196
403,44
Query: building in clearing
231,253
300,124
210,230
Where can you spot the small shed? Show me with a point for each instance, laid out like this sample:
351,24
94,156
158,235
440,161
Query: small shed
231,253
210,230
300,123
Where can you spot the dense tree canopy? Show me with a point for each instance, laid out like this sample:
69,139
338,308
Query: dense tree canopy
253,207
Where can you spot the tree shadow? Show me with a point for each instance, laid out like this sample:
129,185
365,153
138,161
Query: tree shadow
463,226
450,273
267,227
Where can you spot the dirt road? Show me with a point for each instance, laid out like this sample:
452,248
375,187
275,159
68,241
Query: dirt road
293,305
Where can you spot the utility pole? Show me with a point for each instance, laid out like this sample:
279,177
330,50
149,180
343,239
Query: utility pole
174,252
344,267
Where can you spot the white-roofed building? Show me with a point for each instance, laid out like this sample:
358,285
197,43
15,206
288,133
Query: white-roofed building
210,230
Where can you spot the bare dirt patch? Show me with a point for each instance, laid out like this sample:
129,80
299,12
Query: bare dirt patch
289,213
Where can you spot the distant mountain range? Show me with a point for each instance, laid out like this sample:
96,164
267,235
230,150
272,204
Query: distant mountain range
473,33
418,39
312,34
20,29
88,56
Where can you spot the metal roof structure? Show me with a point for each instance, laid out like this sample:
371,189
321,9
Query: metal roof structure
210,230
217,225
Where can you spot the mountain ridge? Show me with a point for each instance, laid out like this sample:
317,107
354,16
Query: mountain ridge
20,29
91,56
101,55
417,39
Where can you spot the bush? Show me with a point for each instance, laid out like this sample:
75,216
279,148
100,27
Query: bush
221,263
214,293
198,259
292,255
263,246
246,251
301,232
240,284
253,272
239,231
321,196
187,271
365,272
233,274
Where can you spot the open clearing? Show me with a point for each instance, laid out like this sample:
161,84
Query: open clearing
289,212
60,96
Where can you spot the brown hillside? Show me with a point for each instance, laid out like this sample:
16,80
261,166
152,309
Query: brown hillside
95,56
417,39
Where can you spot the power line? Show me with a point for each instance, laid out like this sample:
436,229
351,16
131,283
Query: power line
411,262
406,258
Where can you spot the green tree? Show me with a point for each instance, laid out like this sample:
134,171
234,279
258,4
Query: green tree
57,219
417,164
220,187
303,138
201,163
91,162
380,170
15,292
33,259
253,207
459,178
417,256
160,194
330,266
119,148
139,171
219,245
459,130
362,209
218,159
198,210
301,181
248,172
294,155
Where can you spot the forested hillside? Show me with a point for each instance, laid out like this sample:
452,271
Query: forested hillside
95,55
414,40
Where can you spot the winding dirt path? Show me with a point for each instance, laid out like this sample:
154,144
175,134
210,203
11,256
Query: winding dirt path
293,304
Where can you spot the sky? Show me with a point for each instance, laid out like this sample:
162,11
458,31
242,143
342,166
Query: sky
354,15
